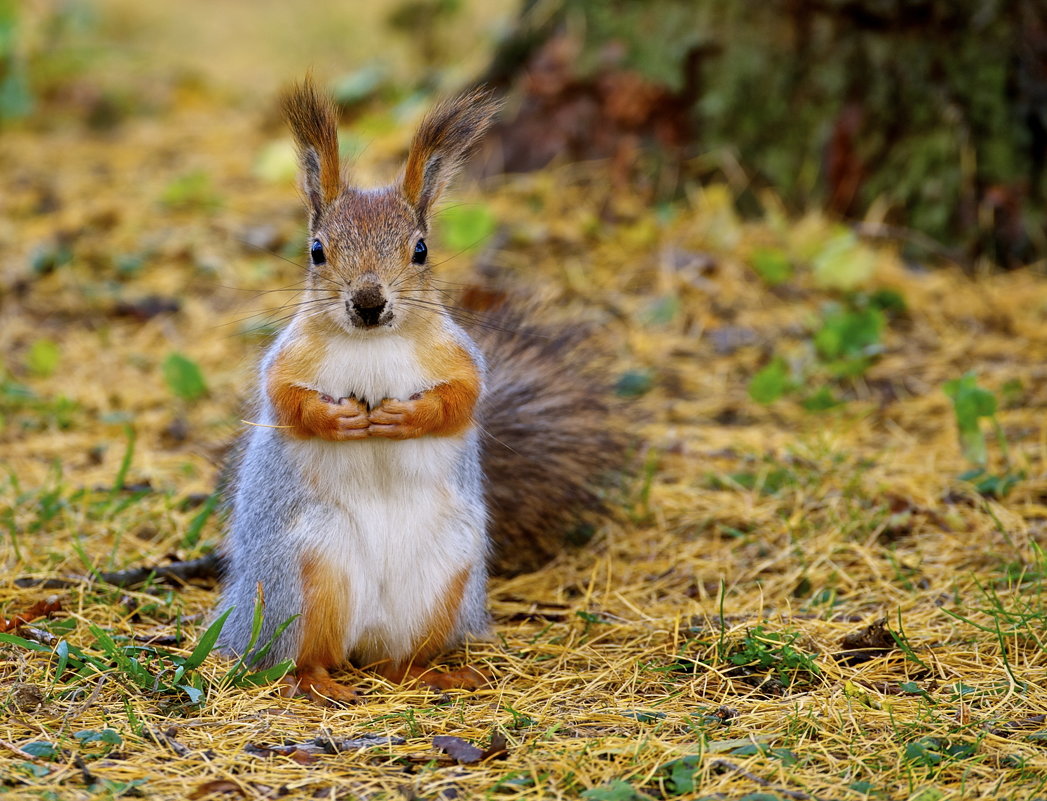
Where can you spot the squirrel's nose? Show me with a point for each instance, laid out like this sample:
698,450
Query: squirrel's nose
369,303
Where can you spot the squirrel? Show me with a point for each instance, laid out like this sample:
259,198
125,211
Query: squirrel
397,454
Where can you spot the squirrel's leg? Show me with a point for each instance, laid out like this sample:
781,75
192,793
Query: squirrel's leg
443,411
306,413
325,615
433,641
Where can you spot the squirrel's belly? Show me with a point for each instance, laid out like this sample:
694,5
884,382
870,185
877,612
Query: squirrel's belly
394,526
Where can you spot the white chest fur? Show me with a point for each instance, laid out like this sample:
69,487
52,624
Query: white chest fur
371,367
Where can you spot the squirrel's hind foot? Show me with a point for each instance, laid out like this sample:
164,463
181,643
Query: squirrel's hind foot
466,678
317,683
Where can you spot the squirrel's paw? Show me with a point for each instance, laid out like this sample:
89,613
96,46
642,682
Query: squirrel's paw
466,678
395,419
317,683
342,419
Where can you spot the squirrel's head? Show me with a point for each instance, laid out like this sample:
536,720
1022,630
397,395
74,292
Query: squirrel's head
367,251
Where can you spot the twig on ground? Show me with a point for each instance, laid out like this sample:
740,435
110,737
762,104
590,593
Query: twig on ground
40,636
206,567
18,752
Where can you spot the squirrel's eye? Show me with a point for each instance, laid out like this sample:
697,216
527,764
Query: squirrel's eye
316,252
420,252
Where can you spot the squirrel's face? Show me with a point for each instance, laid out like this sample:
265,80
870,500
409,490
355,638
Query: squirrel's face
368,256
368,259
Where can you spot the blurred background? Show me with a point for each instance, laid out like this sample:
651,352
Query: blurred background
809,237
925,119
772,184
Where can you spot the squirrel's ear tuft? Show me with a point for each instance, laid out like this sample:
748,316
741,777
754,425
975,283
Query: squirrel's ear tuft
444,139
314,124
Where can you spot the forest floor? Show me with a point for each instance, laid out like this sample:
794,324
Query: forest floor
825,580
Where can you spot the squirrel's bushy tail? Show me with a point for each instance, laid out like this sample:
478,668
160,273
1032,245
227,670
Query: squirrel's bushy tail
553,441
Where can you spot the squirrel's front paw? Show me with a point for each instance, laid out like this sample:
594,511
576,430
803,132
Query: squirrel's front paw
396,419
337,420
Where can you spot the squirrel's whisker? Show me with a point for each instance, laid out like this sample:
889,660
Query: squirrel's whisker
274,321
272,253
278,310
470,318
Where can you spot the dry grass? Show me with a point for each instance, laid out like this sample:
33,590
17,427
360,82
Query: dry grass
747,523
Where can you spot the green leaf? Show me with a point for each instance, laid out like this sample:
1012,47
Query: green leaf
466,226
615,790
680,775
107,736
890,301
784,755
843,263
663,310
912,688
633,383
41,749
771,382
772,265
849,333
992,486
971,403
43,357
821,401
183,377
16,97
196,695
925,752
643,716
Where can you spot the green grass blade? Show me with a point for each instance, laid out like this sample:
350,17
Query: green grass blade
207,642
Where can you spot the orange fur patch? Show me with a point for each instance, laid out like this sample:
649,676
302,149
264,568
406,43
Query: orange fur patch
296,406
443,620
324,616
447,409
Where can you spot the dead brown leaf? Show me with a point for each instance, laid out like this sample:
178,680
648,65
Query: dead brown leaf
217,786
41,608
457,748
466,753
868,643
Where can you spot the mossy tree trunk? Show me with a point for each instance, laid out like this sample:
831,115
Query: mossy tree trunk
933,110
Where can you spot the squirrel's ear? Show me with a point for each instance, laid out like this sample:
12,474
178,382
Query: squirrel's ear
314,124
441,144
